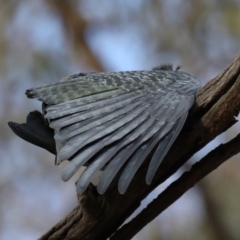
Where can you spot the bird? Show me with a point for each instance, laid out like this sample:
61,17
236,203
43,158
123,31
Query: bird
110,122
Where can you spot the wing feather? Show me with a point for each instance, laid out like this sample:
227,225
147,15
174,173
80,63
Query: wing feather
138,158
54,95
104,128
66,108
87,124
106,156
78,142
85,155
176,107
70,119
164,147
87,99
168,109
118,161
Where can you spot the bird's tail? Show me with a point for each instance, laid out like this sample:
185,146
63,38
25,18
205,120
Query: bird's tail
35,131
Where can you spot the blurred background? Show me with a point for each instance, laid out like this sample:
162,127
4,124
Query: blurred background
43,41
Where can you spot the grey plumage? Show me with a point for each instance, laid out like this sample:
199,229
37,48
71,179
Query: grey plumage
111,121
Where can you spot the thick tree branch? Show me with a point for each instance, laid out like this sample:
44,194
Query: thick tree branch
99,216
175,190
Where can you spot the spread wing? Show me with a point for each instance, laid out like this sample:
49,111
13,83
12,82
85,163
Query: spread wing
110,121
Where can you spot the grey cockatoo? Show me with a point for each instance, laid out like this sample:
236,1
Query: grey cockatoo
110,121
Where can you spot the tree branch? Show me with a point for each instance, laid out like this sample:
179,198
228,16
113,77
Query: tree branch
175,190
99,216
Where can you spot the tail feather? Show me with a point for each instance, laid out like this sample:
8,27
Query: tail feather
35,131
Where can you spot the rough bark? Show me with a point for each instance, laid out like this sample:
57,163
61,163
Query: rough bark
99,216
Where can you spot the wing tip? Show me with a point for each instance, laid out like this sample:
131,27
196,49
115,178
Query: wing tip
65,177
148,179
101,188
80,188
122,188
68,172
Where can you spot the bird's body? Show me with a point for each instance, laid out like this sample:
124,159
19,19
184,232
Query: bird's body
110,121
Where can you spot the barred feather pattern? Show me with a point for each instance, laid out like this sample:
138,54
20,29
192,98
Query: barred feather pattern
113,121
